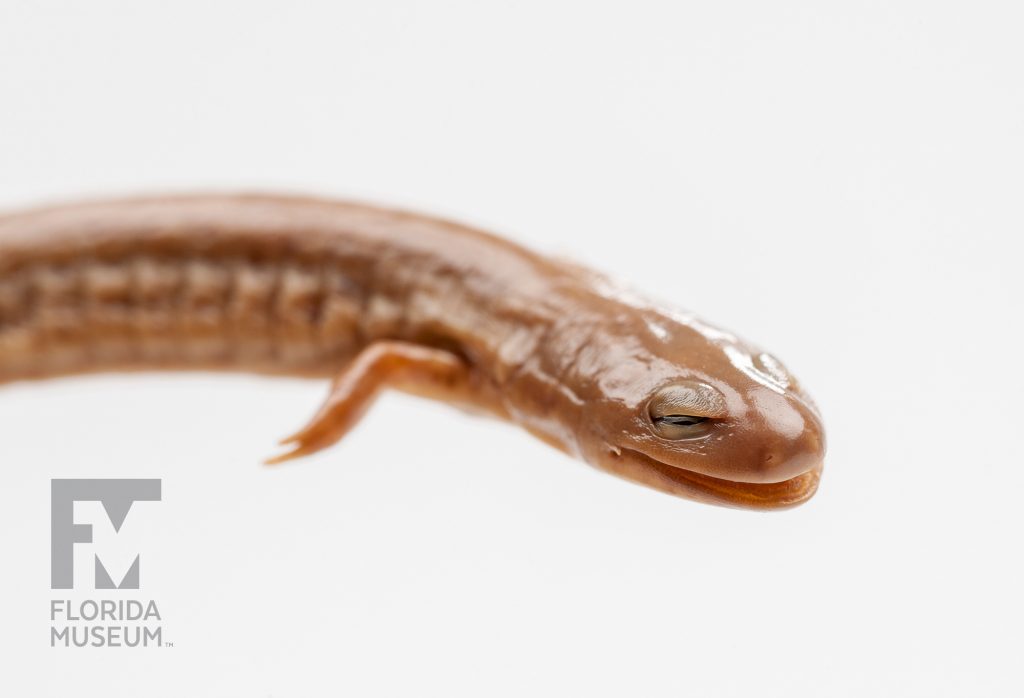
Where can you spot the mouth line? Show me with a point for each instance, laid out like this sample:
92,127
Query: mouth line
771,495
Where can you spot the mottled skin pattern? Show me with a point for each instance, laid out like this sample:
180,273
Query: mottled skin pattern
381,298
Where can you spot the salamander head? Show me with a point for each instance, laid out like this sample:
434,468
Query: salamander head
683,407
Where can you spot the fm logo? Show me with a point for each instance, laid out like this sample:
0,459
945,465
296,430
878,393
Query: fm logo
117,497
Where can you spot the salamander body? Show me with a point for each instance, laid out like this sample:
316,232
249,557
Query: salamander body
377,298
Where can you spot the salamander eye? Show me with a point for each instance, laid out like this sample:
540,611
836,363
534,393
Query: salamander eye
680,426
684,411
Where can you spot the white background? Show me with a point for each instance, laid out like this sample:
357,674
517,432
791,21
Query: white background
840,182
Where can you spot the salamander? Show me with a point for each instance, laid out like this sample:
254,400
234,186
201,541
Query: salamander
376,299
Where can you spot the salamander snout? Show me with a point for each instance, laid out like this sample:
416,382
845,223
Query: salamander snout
791,437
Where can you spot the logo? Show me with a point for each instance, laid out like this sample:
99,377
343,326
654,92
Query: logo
117,497
98,622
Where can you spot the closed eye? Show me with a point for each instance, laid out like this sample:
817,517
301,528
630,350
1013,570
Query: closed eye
680,426
683,411
681,420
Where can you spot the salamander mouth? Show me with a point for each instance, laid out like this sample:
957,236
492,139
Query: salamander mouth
693,485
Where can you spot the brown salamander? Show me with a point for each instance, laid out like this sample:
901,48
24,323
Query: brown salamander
379,298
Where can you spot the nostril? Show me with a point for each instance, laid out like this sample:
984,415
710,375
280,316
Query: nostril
787,461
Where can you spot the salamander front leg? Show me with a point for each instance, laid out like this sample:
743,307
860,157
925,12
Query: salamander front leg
384,364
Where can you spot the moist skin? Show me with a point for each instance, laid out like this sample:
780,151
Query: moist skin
377,298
